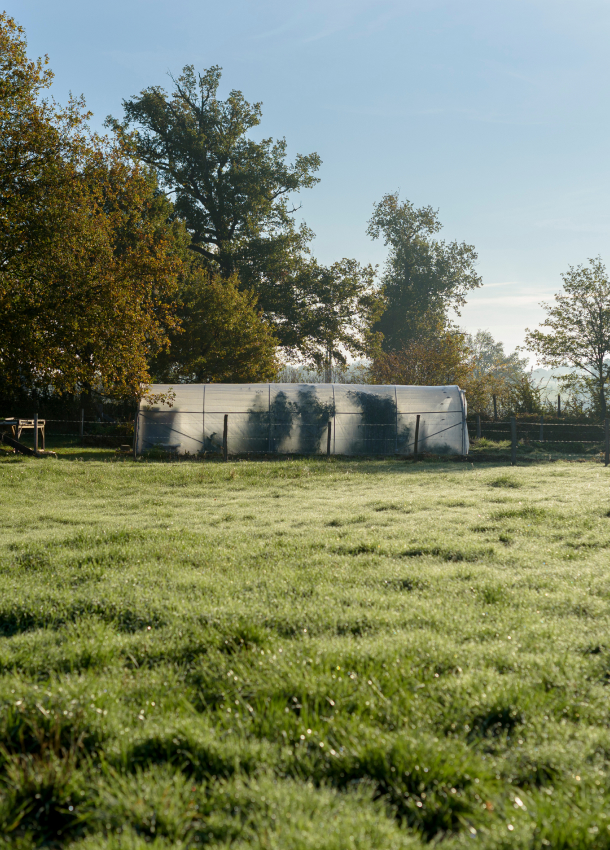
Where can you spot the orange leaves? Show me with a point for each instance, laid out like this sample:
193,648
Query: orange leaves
88,259
435,360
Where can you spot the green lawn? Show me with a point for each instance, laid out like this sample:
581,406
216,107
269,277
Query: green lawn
302,654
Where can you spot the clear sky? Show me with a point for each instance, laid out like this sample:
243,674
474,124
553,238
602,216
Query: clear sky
495,112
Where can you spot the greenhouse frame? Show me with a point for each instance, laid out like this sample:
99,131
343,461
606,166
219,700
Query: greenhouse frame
302,419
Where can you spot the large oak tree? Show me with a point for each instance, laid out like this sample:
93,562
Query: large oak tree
233,192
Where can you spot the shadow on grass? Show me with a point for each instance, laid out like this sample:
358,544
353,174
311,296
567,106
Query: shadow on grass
66,449
482,452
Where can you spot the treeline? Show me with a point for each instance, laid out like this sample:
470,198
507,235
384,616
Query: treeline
167,250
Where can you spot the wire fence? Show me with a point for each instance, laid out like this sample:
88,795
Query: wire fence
302,432
66,432
86,427
579,439
551,432
586,440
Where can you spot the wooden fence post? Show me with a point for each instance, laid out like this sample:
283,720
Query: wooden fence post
328,436
607,440
136,425
270,423
495,408
478,427
416,437
82,425
542,429
36,433
513,435
225,431
558,405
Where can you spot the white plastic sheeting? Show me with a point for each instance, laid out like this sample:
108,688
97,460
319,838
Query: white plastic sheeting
293,419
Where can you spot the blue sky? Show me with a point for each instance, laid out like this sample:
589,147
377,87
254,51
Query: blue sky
494,112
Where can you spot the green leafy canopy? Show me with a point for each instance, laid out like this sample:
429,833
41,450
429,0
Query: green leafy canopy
424,277
226,186
576,331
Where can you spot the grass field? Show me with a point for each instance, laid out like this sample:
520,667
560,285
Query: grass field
302,655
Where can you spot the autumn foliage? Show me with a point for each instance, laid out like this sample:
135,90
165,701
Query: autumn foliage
89,261
221,337
107,284
424,361
477,364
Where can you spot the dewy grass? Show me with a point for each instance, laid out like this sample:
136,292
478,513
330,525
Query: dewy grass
302,654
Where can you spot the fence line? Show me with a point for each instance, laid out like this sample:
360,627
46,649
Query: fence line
112,422
265,412
317,425
547,424
548,438
551,433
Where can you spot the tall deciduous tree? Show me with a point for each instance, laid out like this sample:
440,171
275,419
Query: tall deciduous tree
576,331
232,192
339,322
221,339
88,258
424,277
31,139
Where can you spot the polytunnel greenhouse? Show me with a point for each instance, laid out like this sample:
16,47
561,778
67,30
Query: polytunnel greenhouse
303,419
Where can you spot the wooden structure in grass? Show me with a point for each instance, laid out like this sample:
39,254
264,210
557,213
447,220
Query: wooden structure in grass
15,428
